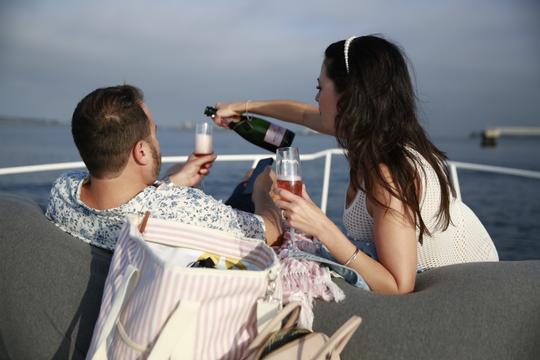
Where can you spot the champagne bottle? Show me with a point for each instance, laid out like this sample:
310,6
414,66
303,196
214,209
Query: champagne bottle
258,131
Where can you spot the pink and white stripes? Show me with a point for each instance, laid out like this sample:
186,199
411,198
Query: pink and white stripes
227,316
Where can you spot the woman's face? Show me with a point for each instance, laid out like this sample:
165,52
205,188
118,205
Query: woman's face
327,98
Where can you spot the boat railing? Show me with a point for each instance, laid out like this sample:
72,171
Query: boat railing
326,154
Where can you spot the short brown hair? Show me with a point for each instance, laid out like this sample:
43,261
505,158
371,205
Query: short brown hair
106,124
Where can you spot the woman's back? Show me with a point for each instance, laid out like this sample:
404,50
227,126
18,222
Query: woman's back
465,239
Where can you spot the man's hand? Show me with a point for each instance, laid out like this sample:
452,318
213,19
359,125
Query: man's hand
192,171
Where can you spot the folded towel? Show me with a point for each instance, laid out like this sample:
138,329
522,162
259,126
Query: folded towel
305,280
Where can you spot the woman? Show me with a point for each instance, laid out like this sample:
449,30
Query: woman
400,206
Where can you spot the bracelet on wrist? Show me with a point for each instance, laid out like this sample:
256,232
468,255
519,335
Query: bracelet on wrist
353,256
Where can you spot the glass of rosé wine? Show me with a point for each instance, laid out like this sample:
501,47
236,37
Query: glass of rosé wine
288,172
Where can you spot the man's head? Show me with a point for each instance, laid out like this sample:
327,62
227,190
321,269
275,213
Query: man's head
107,124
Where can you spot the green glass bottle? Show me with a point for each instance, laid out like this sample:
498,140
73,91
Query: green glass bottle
258,131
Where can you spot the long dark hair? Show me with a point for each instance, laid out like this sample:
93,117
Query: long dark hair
376,123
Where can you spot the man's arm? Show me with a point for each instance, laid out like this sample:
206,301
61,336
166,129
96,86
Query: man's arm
192,171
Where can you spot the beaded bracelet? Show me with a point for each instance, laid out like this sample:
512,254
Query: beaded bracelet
353,256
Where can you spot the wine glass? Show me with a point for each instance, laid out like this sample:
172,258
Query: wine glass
204,144
288,172
203,138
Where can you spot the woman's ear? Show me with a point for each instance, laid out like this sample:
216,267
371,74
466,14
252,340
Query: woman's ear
141,152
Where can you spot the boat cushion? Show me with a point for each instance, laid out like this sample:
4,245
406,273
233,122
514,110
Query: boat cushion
51,285
465,311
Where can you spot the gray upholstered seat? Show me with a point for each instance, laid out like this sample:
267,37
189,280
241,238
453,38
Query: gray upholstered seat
466,311
51,286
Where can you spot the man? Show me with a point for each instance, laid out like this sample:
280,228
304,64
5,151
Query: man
115,134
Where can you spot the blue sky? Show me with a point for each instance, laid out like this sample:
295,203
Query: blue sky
476,63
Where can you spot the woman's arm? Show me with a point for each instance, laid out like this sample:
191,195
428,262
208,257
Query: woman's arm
395,238
386,276
285,110
394,231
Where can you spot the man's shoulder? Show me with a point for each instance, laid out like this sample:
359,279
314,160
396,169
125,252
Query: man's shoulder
171,195
65,187
161,187
72,176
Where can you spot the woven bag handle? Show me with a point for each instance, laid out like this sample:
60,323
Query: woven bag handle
335,345
293,308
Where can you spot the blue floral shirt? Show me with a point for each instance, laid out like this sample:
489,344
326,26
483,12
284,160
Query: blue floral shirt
165,201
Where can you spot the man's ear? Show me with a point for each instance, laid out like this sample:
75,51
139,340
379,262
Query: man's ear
141,152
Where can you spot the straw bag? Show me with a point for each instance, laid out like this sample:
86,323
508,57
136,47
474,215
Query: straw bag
291,342
154,307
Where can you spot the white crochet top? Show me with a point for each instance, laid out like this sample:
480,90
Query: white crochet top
465,239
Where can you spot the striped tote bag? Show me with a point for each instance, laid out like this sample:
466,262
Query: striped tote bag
155,307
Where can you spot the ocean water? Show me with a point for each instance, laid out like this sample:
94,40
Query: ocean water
508,206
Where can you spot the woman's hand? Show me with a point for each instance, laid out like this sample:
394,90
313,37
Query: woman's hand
192,171
228,112
301,212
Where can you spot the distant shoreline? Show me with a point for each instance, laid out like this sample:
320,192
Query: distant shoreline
23,121
182,127
189,127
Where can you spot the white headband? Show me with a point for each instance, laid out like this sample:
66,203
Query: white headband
346,51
